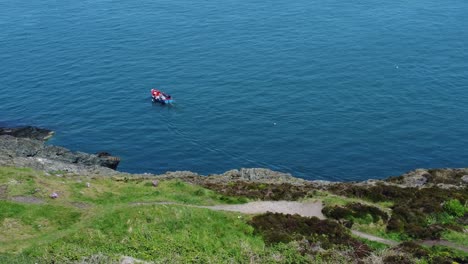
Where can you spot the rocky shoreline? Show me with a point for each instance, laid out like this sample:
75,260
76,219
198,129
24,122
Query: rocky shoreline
25,147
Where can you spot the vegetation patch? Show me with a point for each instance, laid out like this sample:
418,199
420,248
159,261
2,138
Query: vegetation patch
356,212
455,208
460,238
101,219
398,259
421,213
445,255
165,234
59,216
111,225
262,191
315,233
414,249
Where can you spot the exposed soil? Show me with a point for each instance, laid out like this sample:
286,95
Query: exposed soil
3,192
443,243
286,207
374,238
27,199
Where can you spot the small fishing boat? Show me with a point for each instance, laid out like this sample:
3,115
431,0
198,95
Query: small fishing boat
160,97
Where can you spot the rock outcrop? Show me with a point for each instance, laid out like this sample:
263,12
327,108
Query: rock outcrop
25,147
445,178
254,175
259,175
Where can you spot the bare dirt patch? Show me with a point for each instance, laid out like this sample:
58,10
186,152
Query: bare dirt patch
443,243
27,199
308,209
3,192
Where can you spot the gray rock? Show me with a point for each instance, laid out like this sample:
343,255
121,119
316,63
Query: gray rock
433,177
464,179
259,175
179,174
415,178
107,160
130,260
24,152
323,183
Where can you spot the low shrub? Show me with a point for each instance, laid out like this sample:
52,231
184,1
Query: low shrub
397,259
328,234
353,211
454,208
422,213
414,249
262,191
445,255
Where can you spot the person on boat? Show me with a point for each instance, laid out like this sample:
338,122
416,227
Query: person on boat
154,92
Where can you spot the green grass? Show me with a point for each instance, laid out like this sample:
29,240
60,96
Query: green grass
22,223
19,180
17,259
105,192
444,252
376,246
379,229
29,214
112,224
456,237
163,233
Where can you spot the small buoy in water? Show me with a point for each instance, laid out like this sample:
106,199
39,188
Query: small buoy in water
274,124
54,195
396,67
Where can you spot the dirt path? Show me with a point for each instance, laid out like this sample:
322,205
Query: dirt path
308,209
374,238
27,200
443,243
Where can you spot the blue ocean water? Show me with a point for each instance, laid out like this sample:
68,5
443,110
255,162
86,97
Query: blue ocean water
335,90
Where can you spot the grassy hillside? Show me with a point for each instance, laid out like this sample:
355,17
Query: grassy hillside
99,220
110,218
